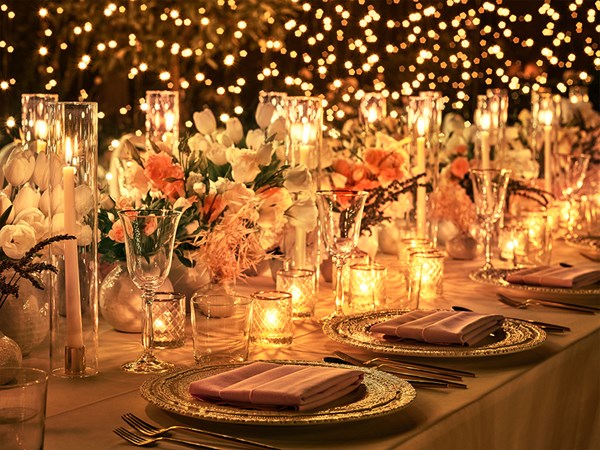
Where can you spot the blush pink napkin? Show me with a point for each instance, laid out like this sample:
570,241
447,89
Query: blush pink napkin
263,385
441,327
557,276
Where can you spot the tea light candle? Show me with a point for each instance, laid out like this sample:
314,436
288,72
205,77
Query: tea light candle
72,294
168,311
272,314
426,276
367,288
300,283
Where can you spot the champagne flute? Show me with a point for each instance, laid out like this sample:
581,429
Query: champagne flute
340,214
489,193
149,241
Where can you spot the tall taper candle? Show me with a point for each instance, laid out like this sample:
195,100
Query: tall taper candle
485,141
421,190
547,153
72,294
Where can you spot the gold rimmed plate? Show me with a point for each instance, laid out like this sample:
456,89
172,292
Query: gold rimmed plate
498,280
380,394
515,336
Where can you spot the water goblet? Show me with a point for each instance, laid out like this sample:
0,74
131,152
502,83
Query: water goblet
569,172
149,241
340,215
489,193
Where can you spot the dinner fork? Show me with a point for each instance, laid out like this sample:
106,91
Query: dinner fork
532,301
152,431
142,441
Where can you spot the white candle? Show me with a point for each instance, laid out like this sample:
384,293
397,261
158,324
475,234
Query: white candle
547,151
421,190
72,295
485,141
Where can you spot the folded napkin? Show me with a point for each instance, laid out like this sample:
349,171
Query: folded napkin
441,327
263,385
557,276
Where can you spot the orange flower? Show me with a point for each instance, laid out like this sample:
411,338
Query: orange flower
460,167
165,175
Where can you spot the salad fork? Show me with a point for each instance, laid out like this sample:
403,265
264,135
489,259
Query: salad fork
142,441
532,301
152,431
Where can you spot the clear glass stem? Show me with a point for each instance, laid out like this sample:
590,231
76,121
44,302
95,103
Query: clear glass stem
488,247
339,285
148,325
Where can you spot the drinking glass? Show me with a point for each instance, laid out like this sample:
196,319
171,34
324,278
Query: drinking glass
569,172
149,241
489,193
340,214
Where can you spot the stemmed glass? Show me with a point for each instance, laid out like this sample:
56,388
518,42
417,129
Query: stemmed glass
489,193
569,172
340,214
149,241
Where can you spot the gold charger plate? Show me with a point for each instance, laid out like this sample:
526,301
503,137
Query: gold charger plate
588,245
515,336
380,394
498,280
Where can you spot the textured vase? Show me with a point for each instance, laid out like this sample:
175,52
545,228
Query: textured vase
120,300
25,319
462,246
10,352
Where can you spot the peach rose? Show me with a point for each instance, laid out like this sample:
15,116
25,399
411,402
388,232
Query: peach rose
117,233
165,175
460,167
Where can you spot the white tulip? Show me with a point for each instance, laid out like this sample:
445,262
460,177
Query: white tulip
217,153
36,220
234,129
297,179
16,240
41,172
263,114
57,201
277,129
205,121
254,139
5,203
19,167
27,197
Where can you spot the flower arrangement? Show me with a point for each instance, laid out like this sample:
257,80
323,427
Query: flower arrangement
229,187
377,162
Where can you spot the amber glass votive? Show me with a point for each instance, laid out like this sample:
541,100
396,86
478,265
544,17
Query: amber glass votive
425,277
367,288
272,315
168,316
300,283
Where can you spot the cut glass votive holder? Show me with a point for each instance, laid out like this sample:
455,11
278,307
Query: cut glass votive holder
538,227
168,318
272,319
367,290
300,283
425,277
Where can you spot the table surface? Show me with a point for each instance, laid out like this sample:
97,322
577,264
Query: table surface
547,397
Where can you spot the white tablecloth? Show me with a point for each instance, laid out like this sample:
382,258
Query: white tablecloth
545,398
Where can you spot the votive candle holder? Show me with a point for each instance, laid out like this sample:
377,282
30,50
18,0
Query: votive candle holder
168,315
162,119
426,277
367,288
272,319
300,283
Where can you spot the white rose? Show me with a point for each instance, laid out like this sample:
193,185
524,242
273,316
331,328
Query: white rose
19,167
5,203
36,220
27,197
234,129
16,240
297,179
277,129
254,139
263,114
84,200
84,235
244,164
303,214
205,121
238,196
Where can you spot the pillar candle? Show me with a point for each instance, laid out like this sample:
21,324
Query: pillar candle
72,295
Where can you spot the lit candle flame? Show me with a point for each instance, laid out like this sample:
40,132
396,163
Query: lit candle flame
485,121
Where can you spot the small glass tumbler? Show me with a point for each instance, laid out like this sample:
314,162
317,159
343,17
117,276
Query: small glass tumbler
300,283
22,408
220,327
367,288
425,278
168,313
538,225
272,315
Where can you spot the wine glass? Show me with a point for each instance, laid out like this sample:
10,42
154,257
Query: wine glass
569,172
149,241
489,193
340,214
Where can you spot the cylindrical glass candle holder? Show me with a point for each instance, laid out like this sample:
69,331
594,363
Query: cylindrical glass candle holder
35,120
373,108
425,278
73,142
513,243
406,245
162,119
278,100
498,104
300,283
367,290
538,226
168,315
578,94
272,319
